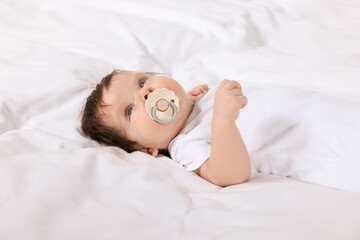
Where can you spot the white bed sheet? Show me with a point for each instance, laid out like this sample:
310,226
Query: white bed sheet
56,184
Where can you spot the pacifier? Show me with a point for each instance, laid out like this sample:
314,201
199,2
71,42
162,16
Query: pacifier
162,105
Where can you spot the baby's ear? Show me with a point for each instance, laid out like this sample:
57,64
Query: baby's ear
152,151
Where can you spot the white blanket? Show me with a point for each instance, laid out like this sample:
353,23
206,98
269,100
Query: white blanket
304,135
57,184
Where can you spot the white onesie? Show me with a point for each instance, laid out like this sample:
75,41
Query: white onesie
287,131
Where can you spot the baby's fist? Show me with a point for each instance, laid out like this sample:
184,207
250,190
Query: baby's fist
229,99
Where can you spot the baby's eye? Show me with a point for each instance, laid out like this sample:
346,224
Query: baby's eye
142,83
129,110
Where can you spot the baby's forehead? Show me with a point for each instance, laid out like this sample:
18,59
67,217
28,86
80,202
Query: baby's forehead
116,90
106,112
120,76
120,82
126,75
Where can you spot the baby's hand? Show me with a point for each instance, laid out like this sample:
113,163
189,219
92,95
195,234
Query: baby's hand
229,99
198,92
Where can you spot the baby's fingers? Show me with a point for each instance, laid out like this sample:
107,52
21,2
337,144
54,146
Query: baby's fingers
204,87
244,101
237,91
232,84
223,83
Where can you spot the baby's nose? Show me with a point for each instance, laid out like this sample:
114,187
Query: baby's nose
145,93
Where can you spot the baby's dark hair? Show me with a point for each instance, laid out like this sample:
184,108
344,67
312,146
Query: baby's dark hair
92,125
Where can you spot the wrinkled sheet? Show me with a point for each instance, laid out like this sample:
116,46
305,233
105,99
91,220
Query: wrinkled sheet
57,184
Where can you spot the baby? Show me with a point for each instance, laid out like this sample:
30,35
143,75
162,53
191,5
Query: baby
115,114
288,131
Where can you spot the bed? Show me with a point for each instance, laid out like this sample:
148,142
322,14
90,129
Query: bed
57,184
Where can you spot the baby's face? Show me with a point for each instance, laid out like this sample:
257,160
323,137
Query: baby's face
126,98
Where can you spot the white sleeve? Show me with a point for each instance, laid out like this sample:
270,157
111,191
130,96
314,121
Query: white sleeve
191,154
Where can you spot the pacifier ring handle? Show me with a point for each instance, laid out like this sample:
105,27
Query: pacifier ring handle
166,121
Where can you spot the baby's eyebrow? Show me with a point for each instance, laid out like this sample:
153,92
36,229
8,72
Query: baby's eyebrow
145,74
101,108
135,78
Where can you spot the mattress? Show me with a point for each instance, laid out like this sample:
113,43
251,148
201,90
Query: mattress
57,184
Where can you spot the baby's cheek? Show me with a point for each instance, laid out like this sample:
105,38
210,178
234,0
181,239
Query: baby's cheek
150,126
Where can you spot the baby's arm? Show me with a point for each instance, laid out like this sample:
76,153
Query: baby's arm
229,161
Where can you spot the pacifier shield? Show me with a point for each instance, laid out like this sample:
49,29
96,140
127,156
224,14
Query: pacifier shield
162,105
